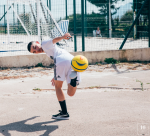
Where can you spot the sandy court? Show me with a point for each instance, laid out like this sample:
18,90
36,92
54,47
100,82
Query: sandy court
109,101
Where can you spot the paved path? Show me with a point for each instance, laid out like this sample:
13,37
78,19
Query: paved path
106,104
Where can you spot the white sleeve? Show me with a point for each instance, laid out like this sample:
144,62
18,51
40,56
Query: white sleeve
47,44
48,47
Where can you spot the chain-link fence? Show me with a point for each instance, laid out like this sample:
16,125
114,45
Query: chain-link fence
94,25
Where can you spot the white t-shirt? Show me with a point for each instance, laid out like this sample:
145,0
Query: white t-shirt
98,32
54,52
62,61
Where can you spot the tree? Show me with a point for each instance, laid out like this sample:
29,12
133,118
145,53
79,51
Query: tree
128,16
93,21
103,5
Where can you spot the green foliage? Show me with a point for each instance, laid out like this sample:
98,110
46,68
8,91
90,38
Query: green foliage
111,60
104,10
93,21
92,87
122,26
141,84
39,65
37,89
127,16
103,5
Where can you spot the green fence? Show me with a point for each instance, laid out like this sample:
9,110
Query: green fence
85,16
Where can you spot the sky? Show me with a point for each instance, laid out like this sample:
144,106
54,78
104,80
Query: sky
58,8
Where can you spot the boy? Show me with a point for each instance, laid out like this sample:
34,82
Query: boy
62,70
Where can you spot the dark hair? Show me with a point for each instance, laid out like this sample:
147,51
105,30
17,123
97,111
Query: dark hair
29,46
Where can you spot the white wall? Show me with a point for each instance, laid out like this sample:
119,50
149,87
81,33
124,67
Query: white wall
93,56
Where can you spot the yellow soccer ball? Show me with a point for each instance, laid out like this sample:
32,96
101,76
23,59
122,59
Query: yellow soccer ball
79,63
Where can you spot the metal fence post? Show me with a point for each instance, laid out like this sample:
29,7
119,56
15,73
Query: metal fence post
108,18
127,35
137,23
17,19
8,32
85,18
74,10
38,20
149,23
82,12
4,19
24,12
66,9
110,26
50,5
13,15
47,6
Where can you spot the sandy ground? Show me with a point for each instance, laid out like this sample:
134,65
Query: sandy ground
15,73
110,100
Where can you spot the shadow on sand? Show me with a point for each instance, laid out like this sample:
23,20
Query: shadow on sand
22,127
125,71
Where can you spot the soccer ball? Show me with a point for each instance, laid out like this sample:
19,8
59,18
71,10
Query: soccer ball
79,63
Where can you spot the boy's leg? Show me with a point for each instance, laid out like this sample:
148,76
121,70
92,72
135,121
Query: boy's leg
71,90
59,92
61,98
73,79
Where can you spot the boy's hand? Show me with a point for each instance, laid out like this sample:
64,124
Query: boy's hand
53,83
67,36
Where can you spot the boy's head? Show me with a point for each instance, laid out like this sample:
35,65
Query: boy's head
35,47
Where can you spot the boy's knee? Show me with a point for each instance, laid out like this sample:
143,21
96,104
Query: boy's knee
57,87
71,91
70,94
58,84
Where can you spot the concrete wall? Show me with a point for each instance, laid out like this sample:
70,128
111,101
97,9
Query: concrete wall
93,56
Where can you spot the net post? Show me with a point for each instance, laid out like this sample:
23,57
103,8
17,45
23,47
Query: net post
74,10
13,14
17,19
24,12
82,12
149,22
127,35
50,5
110,27
38,21
66,9
8,34
86,18
107,18
5,19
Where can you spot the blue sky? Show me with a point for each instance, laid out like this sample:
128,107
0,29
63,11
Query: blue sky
58,8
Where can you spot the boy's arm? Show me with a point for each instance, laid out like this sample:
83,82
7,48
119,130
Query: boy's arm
66,37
